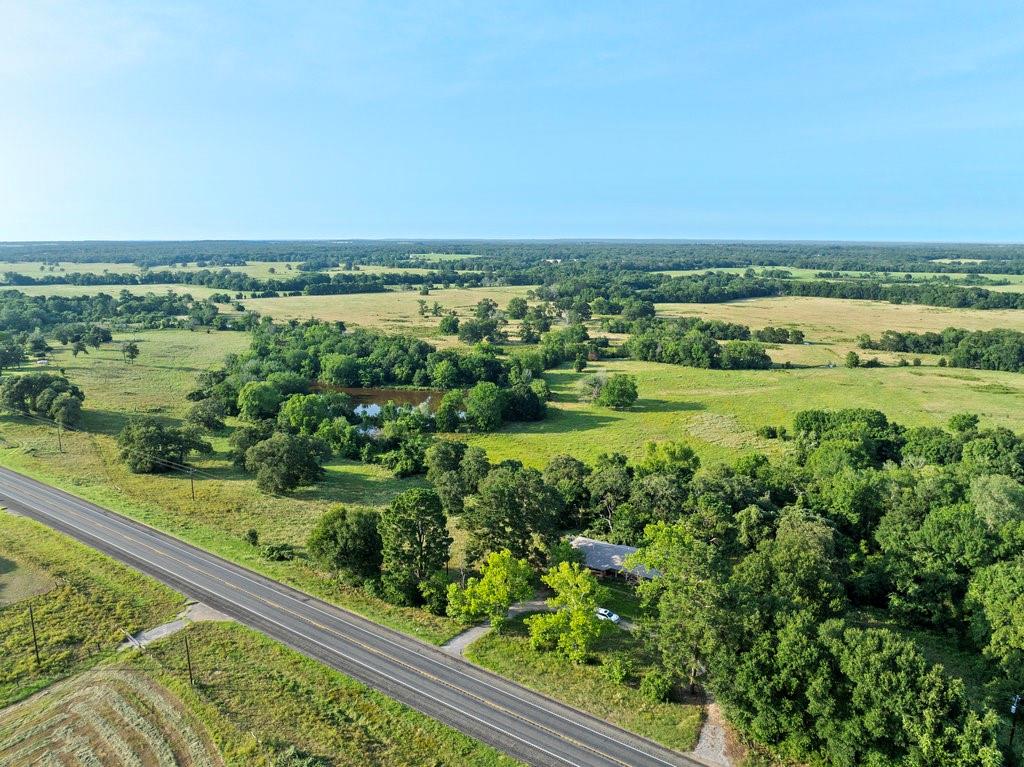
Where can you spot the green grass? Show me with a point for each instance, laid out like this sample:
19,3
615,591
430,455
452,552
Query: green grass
718,411
258,697
509,653
91,602
227,505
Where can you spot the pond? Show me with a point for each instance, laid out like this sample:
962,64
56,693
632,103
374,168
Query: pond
369,400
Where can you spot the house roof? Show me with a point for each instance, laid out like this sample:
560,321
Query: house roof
611,557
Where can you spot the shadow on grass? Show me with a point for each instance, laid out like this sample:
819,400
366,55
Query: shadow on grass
560,421
356,487
666,406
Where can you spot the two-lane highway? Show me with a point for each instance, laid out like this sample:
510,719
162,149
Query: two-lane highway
519,722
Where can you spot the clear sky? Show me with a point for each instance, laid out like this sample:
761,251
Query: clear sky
778,120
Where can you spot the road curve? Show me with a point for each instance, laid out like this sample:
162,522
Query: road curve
522,723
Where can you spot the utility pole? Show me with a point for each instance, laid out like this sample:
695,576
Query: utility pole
60,444
192,481
1014,708
35,641
188,660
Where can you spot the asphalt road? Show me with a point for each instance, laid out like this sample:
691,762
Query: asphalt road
523,724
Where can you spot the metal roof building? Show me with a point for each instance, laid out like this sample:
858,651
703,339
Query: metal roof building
609,558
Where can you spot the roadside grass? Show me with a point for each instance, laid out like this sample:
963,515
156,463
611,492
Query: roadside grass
675,725
81,618
259,697
19,581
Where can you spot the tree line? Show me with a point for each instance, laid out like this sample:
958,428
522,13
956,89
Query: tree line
998,349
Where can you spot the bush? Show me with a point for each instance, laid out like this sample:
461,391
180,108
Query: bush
252,537
656,686
619,392
617,668
279,552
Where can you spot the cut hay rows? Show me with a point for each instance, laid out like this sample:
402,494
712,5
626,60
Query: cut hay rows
107,717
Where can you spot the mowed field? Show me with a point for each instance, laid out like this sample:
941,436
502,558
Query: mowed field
837,320
394,311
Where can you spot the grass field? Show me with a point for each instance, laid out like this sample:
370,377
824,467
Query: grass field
717,411
396,311
675,725
259,699
228,504
82,603
836,319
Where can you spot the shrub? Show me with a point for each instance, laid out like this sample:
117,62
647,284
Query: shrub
656,686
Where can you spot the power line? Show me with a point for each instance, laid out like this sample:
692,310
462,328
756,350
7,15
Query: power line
175,465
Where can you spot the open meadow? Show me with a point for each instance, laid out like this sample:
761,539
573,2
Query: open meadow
395,311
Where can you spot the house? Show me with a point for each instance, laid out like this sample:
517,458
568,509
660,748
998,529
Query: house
604,559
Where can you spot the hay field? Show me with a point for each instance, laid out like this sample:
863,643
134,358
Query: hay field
841,320
395,311
107,717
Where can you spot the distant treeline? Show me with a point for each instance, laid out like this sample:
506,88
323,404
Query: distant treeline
998,349
491,255
303,283
22,313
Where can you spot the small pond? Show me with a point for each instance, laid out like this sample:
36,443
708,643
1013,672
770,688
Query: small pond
369,400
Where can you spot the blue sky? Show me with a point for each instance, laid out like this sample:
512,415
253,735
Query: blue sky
846,120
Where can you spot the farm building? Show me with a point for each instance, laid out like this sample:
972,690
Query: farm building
609,558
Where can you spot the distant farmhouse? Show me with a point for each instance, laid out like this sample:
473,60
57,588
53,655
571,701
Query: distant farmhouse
609,559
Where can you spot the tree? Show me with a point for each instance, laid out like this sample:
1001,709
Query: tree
995,604
207,414
79,347
130,351
685,602
448,416
574,628
42,394
12,353
347,539
567,476
415,543
283,461
852,360
668,457
609,484
619,392
258,400
449,324
512,506
148,446
517,308
504,580
485,404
